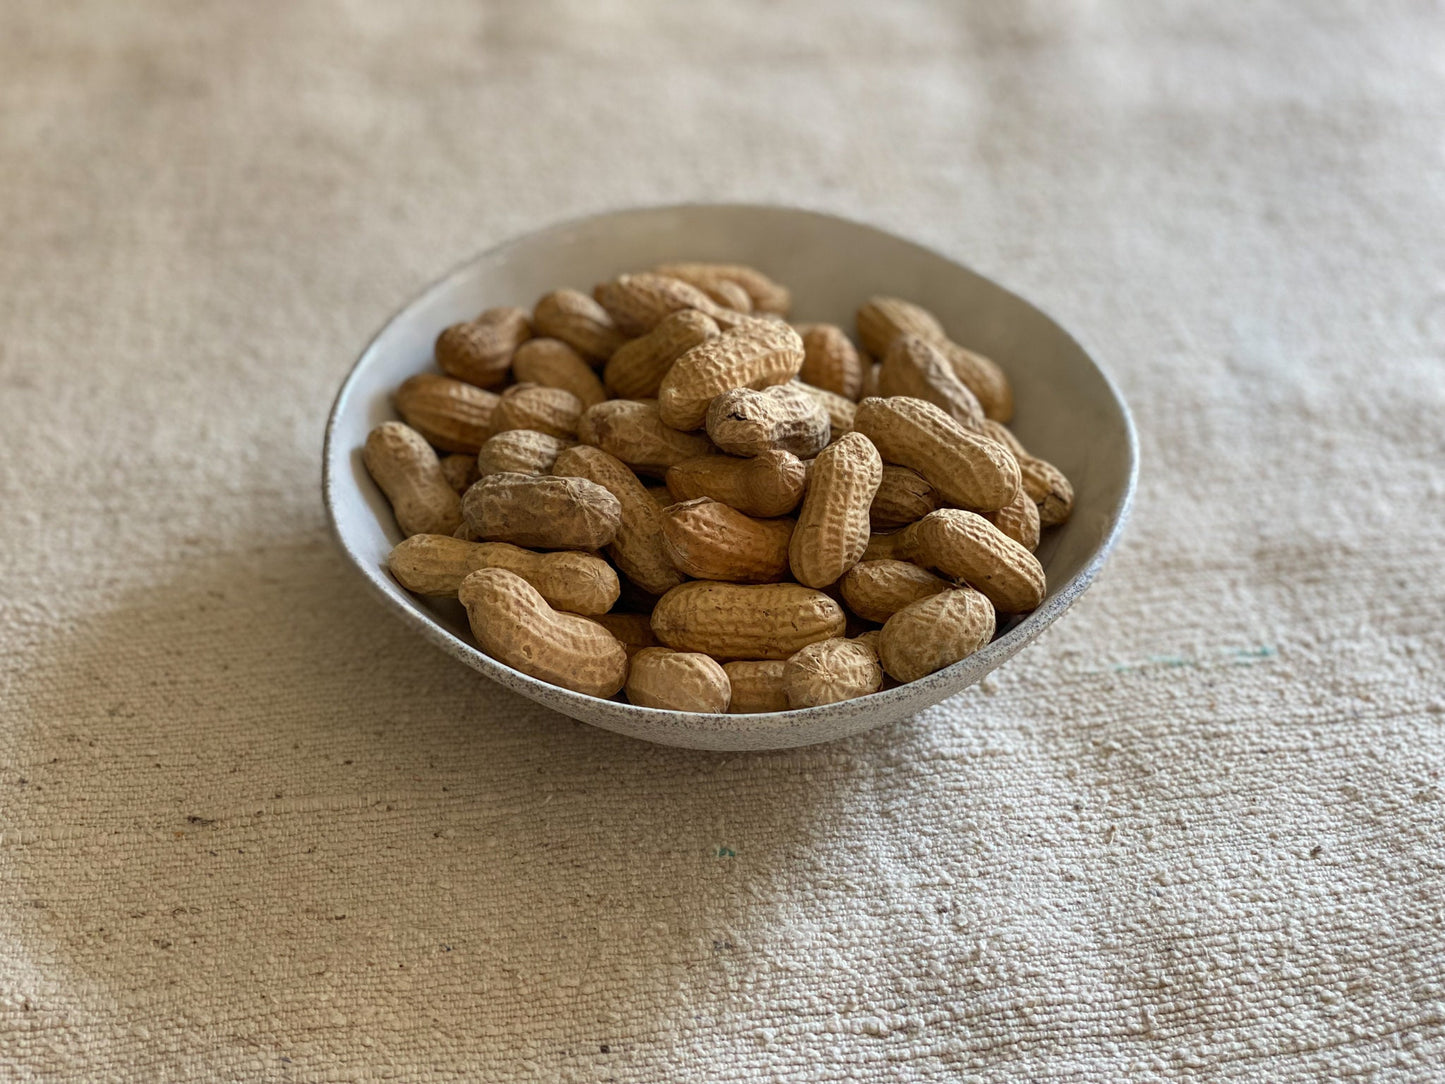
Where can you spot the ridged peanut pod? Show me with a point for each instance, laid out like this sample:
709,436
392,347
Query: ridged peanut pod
832,530
876,590
764,485
966,468
543,512
784,418
637,303
578,321
453,415
1048,486
917,368
840,411
632,430
935,632
984,378
436,565
638,549
743,621
480,351
513,623
520,451
766,294
757,685
904,496
830,360
553,364
885,546
406,468
678,681
831,671
757,355
965,546
531,406
633,630
460,471
708,540
1019,519
636,370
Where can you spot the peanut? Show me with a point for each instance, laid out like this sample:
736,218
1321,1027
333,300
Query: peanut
885,546
870,380
765,485
406,468
935,632
436,564
661,495
553,364
708,540
542,512
841,411
876,590
832,530
531,406
831,671
784,418
741,621
480,351
453,415
578,321
513,623
965,546
633,431
520,451
460,471
633,630
915,367
636,370
757,685
830,360
966,468
638,303
1048,486
1019,519
757,355
766,295
904,496
677,680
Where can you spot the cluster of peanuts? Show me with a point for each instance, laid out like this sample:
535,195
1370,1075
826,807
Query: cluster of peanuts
667,489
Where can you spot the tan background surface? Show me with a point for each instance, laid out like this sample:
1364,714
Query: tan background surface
250,829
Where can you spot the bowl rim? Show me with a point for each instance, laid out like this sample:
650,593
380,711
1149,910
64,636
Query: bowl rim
983,661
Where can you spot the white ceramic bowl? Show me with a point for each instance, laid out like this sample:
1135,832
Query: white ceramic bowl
1067,411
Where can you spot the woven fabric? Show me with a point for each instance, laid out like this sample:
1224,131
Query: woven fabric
252,829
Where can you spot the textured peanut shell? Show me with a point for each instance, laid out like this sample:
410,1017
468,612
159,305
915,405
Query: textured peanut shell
965,546
460,471
1019,519
708,540
408,471
765,294
513,623
578,321
904,496
636,370
633,630
743,621
453,415
553,364
757,355
638,549
632,430
480,351
1045,484
965,467
876,590
841,411
542,512
830,672
830,360
832,530
885,546
935,632
531,406
745,422
757,685
983,377
520,451
659,677
436,564
915,367
637,303
764,485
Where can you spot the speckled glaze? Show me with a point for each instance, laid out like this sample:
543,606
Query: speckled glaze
1068,412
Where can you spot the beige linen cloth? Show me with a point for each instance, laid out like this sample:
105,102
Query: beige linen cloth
252,829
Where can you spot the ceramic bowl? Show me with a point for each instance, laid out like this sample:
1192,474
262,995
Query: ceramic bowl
1067,411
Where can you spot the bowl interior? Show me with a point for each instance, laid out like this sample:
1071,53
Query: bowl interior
1067,412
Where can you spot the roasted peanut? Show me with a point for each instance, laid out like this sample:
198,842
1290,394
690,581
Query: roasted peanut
1045,484
917,368
757,685
935,632
480,351
460,471
831,671
832,530
578,321
436,564
784,418
531,406
553,364
757,355
965,546
633,630
1019,519
830,360
876,590
870,380
765,294
885,546
520,451
636,370
453,415
741,621
708,540
542,512
841,411
764,485
406,468
637,303
633,431
904,496
677,680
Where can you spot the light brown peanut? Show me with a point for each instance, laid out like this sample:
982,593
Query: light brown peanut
831,671
841,411
708,540
870,380
966,468
436,564
677,681
904,496
636,370
637,303
520,451
757,355
578,321
553,364
984,378
766,294
633,630
935,632
764,485
917,368
480,351
757,685
830,360
1019,519
633,431
542,512
832,530
460,471
531,406
453,415
638,549
965,546
661,494
885,546
785,418
1045,484
513,623
876,590
742,621
406,468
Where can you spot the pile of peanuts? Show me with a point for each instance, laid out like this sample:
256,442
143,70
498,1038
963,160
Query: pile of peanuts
666,489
